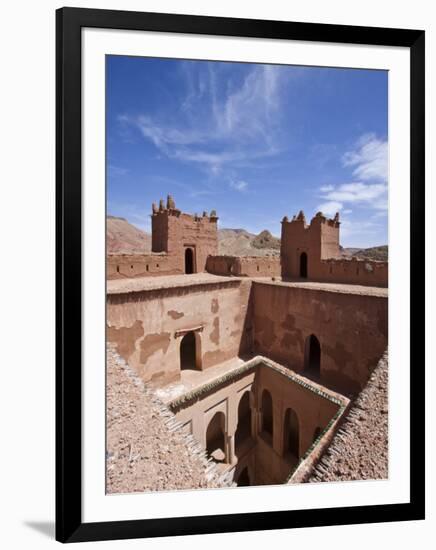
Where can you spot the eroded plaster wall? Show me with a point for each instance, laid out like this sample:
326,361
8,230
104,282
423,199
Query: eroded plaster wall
352,329
148,326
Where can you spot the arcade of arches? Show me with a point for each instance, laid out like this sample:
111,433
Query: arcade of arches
181,333
259,425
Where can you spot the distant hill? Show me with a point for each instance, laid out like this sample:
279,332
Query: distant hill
266,241
379,253
239,242
123,237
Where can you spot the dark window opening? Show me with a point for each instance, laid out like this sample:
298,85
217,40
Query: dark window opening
303,265
118,268
267,414
243,431
189,261
313,356
215,438
291,434
188,351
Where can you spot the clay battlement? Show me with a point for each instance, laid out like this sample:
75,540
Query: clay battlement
185,243
319,218
169,209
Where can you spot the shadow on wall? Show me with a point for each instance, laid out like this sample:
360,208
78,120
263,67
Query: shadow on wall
246,345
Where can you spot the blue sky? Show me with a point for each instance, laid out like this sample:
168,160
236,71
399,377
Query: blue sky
254,142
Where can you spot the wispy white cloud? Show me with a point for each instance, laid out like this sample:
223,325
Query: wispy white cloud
238,185
235,124
363,234
330,208
369,163
356,192
369,159
326,188
117,170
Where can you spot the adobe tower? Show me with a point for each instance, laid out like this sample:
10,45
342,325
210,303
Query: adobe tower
188,239
303,246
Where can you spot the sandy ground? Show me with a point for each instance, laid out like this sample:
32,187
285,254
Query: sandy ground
360,448
144,451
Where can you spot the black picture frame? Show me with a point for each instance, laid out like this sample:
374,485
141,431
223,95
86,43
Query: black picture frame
69,22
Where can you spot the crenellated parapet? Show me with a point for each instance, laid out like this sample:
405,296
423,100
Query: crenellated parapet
319,218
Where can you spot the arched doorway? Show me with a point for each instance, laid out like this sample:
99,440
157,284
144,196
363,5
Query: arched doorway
190,351
312,357
189,261
243,431
291,434
215,445
243,479
303,265
267,414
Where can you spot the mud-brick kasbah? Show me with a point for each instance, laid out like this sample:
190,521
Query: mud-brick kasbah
226,371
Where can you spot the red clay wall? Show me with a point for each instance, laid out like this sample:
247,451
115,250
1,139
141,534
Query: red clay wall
352,330
122,266
354,271
174,231
244,266
144,325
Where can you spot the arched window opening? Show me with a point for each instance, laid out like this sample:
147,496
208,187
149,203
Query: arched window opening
291,435
243,431
312,357
118,268
190,351
215,438
303,265
244,478
267,414
316,433
189,261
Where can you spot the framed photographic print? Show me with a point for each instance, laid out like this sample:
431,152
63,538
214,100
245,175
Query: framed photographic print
240,274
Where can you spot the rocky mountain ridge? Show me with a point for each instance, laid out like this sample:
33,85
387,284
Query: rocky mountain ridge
124,237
